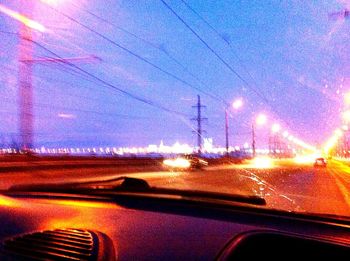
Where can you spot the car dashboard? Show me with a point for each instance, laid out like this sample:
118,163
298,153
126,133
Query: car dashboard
134,226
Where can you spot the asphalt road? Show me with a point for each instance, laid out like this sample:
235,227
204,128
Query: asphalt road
286,185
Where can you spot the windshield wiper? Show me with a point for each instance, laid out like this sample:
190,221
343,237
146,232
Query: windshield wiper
127,183
134,185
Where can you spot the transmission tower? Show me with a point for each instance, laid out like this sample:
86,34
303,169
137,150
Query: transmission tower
199,119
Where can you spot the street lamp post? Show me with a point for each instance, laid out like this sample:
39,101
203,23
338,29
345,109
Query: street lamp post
274,141
226,132
236,105
253,140
260,120
25,82
25,89
26,62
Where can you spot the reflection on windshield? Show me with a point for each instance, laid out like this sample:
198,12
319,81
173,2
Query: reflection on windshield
242,97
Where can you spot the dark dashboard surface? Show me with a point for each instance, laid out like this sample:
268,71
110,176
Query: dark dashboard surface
168,229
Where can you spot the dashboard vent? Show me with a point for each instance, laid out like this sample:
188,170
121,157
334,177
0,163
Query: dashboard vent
58,244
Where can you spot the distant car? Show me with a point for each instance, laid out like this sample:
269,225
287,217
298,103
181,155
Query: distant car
320,162
177,163
185,162
196,162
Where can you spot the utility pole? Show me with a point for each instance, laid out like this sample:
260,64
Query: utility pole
275,145
235,105
199,120
25,91
253,140
226,132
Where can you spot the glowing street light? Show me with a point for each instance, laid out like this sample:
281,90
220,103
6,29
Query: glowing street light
347,98
338,133
275,128
261,119
346,116
237,104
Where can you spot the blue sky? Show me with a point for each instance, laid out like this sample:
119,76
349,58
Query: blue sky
290,51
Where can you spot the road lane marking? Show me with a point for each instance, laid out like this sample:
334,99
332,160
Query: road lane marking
342,188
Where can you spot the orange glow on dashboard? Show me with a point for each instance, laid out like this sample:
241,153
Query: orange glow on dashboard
8,202
84,204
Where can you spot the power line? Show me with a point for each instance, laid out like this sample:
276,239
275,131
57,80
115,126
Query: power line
205,21
215,53
130,52
73,95
79,110
72,72
147,42
7,32
42,78
114,87
227,43
87,120
259,94
221,37
65,108
60,65
50,106
87,79
135,54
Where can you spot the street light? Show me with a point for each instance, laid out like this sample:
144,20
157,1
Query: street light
347,98
261,119
346,116
237,104
275,128
338,133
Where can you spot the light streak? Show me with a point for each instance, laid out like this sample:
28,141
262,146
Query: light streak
23,19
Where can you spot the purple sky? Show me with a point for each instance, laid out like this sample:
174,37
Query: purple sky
290,52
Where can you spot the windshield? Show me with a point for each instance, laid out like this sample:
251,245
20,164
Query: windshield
241,97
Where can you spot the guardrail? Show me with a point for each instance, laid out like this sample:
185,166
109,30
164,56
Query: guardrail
19,163
47,163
